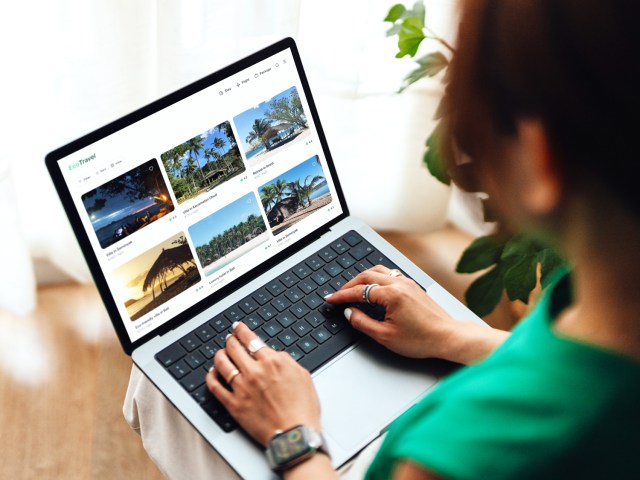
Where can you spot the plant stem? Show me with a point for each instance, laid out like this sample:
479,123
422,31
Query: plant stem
439,39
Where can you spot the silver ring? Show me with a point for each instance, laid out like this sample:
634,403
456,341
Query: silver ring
367,291
255,345
395,273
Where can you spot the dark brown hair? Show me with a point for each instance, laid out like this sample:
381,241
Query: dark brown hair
572,64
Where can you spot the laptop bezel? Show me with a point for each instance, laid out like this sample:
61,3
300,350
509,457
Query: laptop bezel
51,161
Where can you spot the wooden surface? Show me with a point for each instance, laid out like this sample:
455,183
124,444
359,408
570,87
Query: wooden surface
63,377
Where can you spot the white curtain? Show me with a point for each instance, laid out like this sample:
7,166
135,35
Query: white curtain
71,66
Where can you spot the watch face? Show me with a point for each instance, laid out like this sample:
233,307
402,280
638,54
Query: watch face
289,446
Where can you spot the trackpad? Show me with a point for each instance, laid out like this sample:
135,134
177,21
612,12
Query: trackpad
365,390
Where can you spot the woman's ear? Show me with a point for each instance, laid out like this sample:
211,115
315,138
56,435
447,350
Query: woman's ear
542,180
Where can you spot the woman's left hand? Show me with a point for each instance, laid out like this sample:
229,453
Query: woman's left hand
271,391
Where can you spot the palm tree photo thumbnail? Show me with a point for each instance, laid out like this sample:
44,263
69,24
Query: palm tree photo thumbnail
203,162
229,233
272,124
295,194
156,276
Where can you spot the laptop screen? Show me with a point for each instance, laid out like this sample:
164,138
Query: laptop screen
179,203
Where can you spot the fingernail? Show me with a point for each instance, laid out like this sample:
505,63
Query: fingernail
347,314
234,325
226,339
211,369
327,296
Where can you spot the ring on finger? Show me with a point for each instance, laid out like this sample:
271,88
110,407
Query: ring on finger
232,376
367,291
255,345
395,273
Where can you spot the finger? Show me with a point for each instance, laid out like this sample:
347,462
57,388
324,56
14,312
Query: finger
363,322
218,389
245,336
225,367
355,294
370,276
239,354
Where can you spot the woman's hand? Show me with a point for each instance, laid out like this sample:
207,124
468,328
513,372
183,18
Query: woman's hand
414,326
271,391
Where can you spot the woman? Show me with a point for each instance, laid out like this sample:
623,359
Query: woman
544,106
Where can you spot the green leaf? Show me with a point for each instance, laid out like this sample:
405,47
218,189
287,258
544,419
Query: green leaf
409,37
519,246
394,30
433,157
550,261
482,253
418,11
395,12
520,278
428,66
484,293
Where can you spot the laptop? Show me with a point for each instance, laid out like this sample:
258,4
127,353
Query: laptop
221,202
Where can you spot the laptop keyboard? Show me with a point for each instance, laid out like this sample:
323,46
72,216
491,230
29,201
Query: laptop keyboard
288,313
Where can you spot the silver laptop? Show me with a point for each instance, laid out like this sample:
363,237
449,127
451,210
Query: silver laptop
221,202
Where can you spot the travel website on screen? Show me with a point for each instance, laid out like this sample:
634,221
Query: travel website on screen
190,198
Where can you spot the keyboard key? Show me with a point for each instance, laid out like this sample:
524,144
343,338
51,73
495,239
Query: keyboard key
321,277
209,350
302,270
301,328
337,283
171,354
248,305
253,321
294,294
190,342
326,289
313,301
227,423
333,269
221,339
267,312
340,247
307,344
286,319
299,309
363,265
321,335
314,263
193,380
289,279
272,328
214,408
329,349
327,254
281,303
179,369
275,288
194,359
233,314
307,286
202,394
220,323
288,338
352,238
315,319
361,251
275,344
295,352
346,260
378,259
205,332
334,325
350,273
262,296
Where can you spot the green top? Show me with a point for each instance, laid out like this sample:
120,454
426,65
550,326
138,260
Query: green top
541,406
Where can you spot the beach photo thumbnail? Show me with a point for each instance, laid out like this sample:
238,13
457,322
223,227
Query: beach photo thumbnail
270,125
295,194
156,276
203,162
127,203
229,233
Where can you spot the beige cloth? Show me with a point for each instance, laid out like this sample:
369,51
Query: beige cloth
178,449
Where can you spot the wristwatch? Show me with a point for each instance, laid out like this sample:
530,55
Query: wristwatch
294,446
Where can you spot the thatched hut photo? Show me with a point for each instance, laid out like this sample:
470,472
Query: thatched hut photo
156,276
